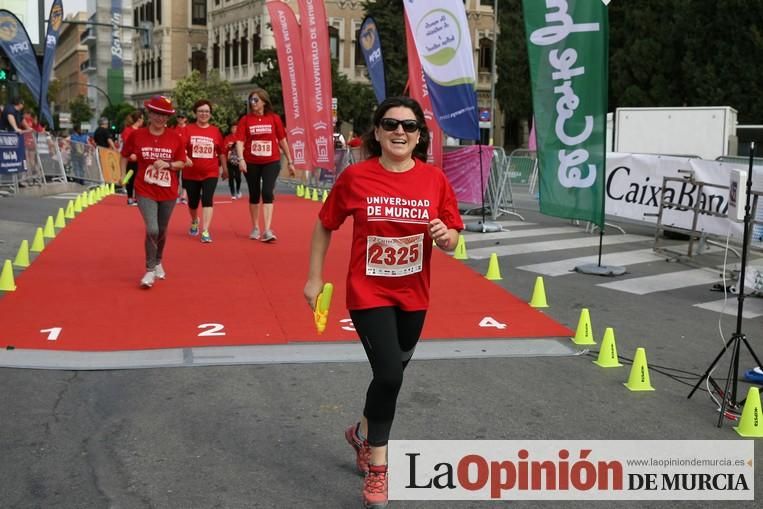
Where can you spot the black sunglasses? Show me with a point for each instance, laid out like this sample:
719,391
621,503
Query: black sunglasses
390,124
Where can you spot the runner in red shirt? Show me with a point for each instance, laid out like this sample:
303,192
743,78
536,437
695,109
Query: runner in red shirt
133,121
204,144
180,127
399,204
160,155
230,155
260,134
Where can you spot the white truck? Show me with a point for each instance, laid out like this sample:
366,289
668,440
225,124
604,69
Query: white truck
707,132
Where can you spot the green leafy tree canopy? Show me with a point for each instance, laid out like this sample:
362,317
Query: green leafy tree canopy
80,110
226,107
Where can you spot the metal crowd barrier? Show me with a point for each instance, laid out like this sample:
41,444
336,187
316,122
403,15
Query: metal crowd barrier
50,159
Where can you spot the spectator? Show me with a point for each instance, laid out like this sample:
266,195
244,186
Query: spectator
13,117
102,136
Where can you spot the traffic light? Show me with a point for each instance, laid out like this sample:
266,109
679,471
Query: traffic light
4,74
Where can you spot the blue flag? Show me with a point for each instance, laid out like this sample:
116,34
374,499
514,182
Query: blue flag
370,45
15,42
55,22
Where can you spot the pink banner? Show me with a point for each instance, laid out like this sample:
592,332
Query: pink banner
291,66
462,167
417,88
317,65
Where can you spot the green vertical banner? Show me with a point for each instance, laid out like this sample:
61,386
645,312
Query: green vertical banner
567,48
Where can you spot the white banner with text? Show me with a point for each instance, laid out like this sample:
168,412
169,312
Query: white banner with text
571,470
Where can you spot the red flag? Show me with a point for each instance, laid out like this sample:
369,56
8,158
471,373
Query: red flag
292,68
418,91
315,42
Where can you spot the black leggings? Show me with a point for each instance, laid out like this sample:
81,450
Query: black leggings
265,173
130,186
234,179
204,189
389,336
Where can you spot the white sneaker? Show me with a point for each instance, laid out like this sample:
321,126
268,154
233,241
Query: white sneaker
148,279
255,235
268,236
159,271
238,195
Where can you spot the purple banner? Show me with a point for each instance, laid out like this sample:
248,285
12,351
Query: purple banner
462,167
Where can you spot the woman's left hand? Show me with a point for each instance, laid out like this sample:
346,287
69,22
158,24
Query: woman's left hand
439,233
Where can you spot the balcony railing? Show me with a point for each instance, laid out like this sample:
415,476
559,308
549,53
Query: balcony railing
87,37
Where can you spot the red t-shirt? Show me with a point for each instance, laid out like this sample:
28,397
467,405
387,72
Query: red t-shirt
158,185
126,132
229,148
261,134
391,247
204,146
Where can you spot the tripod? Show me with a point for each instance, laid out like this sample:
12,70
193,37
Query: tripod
738,337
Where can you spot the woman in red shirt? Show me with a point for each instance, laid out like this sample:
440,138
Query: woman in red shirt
160,154
231,162
204,143
133,121
260,134
399,204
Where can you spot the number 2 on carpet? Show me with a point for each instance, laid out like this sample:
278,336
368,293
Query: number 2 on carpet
214,329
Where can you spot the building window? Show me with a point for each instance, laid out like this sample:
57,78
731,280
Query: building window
244,50
137,73
227,54
152,66
159,12
334,43
485,63
199,62
235,50
487,3
135,20
216,56
255,45
159,67
150,8
359,59
199,12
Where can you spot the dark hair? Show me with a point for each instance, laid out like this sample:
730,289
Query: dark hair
202,102
132,117
17,100
372,145
263,96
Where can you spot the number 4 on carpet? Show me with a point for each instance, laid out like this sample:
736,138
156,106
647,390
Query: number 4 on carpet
489,321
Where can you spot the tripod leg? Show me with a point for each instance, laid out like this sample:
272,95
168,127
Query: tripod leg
725,395
711,367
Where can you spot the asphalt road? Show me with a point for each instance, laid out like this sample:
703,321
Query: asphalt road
272,436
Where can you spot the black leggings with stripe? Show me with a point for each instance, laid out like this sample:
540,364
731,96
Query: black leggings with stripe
389,336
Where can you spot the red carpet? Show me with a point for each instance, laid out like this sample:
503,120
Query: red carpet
84,287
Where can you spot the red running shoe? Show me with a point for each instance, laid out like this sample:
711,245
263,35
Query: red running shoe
362,449
375,487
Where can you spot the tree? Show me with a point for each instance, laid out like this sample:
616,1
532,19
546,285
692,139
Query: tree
116,114
80,110
226,107
513,90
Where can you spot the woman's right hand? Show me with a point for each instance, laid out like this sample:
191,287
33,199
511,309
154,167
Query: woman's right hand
313,288
242,165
